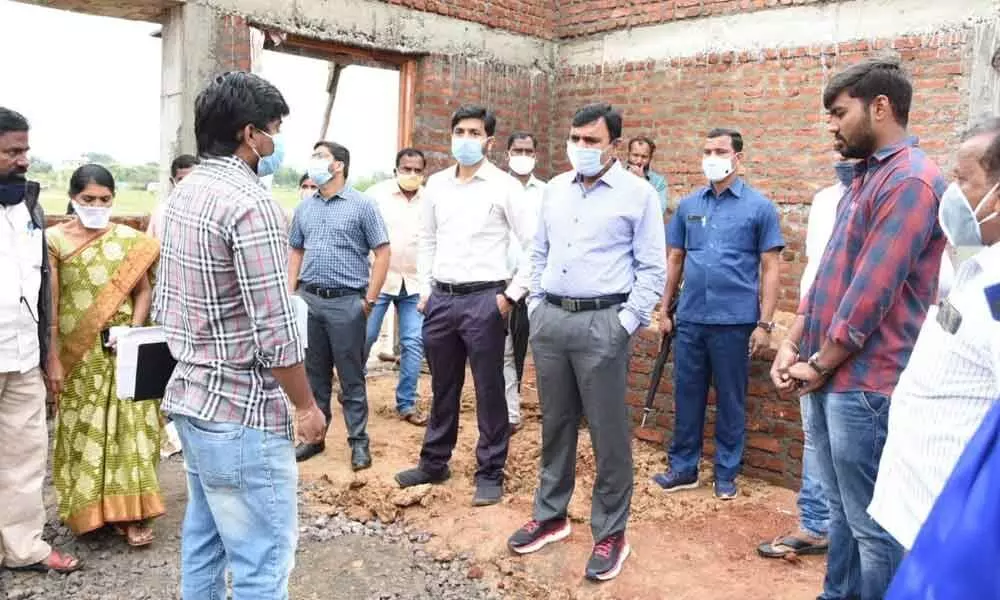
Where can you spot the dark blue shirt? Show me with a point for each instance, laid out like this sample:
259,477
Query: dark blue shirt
337,234
723,238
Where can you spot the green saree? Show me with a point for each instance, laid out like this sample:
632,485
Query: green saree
106,449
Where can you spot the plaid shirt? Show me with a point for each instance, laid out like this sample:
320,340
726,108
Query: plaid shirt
222,298
880,269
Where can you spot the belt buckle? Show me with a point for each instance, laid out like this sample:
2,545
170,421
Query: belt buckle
568,304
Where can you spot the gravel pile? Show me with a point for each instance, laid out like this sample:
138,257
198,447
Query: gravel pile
338,559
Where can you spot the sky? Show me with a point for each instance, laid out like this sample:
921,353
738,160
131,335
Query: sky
92,84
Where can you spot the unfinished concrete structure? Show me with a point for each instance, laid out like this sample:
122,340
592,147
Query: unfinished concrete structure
676,67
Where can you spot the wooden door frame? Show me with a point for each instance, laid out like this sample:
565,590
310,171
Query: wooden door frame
406,64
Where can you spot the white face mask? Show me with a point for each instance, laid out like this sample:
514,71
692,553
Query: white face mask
959,221
92,217
716,168
522,165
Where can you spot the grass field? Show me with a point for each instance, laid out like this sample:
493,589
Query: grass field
142,202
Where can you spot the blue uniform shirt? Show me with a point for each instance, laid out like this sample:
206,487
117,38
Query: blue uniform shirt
337,234
723,238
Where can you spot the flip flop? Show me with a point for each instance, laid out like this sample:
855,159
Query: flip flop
785,545
56,561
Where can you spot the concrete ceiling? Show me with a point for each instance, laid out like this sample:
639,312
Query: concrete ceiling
137,10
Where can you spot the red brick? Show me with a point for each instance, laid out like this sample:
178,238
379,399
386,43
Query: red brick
764,442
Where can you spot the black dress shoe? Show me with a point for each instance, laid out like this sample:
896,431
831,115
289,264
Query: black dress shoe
360,457
487,494
306,451
416,476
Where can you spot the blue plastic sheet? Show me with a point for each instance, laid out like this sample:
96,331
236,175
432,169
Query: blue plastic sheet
956,555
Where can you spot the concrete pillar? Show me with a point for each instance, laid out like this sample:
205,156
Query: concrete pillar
198,44
984,76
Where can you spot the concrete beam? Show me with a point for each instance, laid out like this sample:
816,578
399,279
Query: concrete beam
190,58
144,10
790,27
380,25
984,77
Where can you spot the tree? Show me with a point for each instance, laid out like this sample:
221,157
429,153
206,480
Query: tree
40,166
99,158
287,177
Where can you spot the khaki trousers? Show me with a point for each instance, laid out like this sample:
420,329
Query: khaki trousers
23,451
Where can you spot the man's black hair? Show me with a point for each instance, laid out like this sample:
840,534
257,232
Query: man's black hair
990,160
600,110
871,78
184,161
12,121
645,140
474,111
231,102
522,135
410,152
734,137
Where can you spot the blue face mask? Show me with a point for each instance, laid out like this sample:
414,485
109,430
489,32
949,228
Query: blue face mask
319,171
845,173
269,165
12,191
467,151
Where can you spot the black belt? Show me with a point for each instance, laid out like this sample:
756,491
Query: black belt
463,289
581,304
328,293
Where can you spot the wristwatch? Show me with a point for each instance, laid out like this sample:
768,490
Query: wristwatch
767,326
820,370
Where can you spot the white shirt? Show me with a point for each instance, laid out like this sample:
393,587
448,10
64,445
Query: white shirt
22,281
947,388
402,220
822,217
533,197
155,227
467,229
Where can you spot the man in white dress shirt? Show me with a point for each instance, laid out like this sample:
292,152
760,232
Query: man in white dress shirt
814,514
521,149
953,377
28,361
470,211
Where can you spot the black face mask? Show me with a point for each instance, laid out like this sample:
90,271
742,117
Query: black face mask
12,190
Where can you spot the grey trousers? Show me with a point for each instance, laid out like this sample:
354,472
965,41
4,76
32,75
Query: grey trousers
581,365
336,331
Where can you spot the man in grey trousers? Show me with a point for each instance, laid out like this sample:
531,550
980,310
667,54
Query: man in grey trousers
598,270
330,239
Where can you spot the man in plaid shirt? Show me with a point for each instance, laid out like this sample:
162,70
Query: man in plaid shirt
221,296
859,322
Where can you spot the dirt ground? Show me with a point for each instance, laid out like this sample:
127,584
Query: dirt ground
685,546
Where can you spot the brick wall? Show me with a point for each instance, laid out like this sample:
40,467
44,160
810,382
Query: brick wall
531,17
583,17
776,101
519,96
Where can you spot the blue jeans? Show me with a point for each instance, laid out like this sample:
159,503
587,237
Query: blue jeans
716,354
814,515
410,342
241,513
849,431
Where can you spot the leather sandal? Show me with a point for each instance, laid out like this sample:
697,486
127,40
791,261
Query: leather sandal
56,561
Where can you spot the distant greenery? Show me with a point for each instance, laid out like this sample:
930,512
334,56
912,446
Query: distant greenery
132,182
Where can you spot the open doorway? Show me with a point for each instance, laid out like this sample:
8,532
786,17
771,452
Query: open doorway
93,98
361,99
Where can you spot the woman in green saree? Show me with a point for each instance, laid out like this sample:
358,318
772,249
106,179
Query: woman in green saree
106,449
